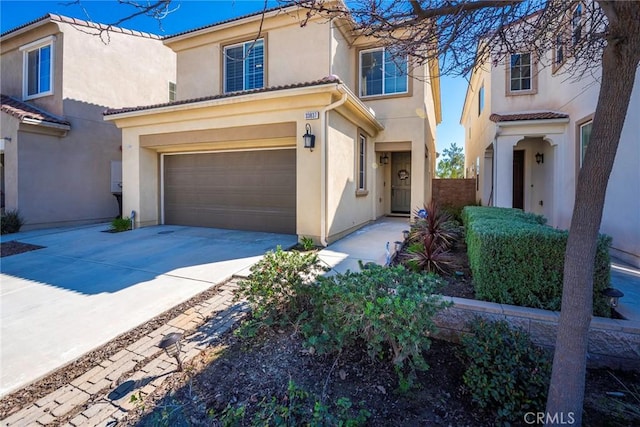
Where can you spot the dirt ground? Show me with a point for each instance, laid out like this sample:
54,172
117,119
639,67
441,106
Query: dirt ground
251,371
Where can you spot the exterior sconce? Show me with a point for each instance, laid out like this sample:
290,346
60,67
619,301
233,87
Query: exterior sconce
384,159
614,295
539,158
171,345
309,139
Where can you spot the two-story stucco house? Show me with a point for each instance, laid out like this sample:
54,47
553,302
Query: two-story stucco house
526,130
230,152
61,162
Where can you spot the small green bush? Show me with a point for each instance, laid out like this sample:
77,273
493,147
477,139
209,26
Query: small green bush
297,408
516,259
121,224
307,243
275,289
11,221
506,373
390,310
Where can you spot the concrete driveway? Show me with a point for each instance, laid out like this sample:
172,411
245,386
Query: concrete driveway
86,287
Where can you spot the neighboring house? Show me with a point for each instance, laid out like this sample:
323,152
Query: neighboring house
229,152
60,161
526,129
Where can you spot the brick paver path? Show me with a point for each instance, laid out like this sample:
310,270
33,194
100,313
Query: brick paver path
102,395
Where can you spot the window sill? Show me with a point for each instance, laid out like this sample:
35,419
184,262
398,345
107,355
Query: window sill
522,92
362,193
36,95
385,96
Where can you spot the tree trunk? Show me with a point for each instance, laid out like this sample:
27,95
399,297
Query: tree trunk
619,64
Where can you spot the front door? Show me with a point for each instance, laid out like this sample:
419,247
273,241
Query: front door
401,182
518,179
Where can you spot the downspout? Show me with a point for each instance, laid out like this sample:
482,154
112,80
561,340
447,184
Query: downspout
324,129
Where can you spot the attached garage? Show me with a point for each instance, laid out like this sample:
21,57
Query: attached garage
242,190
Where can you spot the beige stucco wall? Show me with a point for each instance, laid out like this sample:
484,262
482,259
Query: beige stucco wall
347,208
555,180
292,54
62,178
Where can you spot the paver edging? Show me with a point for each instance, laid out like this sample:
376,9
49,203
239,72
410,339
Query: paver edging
613,343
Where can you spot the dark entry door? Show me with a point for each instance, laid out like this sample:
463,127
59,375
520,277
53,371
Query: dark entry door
518,179
401,182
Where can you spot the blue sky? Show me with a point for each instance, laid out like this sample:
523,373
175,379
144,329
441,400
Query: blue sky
189,14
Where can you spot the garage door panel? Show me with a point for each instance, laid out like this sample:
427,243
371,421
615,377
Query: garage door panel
240,190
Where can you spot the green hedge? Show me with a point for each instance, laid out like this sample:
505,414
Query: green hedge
516,259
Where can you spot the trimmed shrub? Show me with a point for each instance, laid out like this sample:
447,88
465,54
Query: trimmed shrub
390,310
516,259
506,373
121,224
275,289
11,221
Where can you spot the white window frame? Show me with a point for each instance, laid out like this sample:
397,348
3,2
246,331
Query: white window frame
384,92
173,91
28,48
244,83
533,88
362,162
581,146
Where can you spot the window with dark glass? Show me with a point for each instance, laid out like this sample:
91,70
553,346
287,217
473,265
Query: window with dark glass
520,72
244,66
585,136
38,71
362,161
382,73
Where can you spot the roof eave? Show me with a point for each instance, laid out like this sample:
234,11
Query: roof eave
219,101
532,121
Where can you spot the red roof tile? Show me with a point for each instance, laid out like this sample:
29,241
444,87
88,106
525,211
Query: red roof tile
326,80
22,111
545,115
83,23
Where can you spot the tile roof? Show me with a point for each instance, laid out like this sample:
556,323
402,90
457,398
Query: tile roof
83,23
22,111
226,21
544,115
326,80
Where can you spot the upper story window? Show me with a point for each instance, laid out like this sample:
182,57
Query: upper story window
38,68
381,73
172,91
585,136
244,66
558,52
481,99
520,74
576,24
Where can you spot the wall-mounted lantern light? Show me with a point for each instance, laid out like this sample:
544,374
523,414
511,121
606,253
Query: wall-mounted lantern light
171,345
613,295
539,158
384,159
309,139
